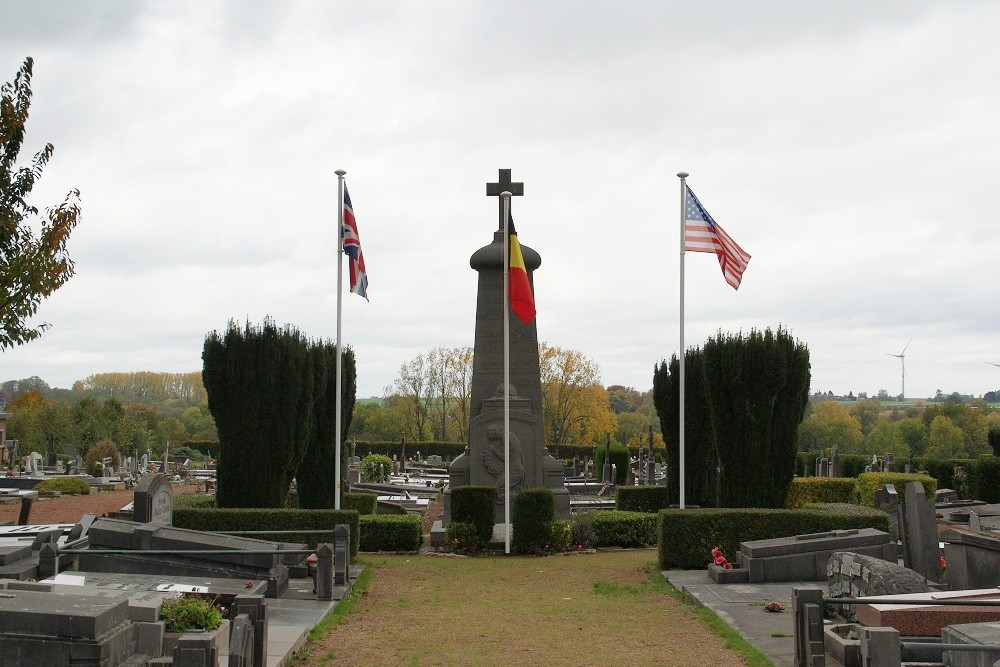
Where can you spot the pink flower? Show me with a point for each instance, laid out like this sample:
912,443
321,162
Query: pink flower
728,566
720,560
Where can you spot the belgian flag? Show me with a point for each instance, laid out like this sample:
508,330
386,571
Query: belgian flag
522,301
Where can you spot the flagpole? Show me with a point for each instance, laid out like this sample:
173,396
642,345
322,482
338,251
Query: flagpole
505,198
680,440
340,282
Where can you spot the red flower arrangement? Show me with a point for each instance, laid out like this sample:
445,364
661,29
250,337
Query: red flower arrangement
720,560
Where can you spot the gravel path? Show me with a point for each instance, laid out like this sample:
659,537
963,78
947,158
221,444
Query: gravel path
69,509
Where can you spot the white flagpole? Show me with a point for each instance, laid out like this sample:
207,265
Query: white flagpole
505,197
340,282
680,440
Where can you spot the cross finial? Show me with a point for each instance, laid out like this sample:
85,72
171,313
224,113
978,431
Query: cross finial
504,185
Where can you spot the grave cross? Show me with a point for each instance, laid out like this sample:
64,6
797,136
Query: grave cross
504,185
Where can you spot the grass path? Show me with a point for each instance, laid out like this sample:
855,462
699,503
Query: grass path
609,608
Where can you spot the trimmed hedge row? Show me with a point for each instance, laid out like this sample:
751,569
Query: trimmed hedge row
70,486
450,450
363,503
982,481
233,518
642,498
617,528
821,490
390,532
870,482
685,538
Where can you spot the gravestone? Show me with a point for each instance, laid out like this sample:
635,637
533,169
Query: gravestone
154,501
34,463
887,500
805,557
483,464
919,532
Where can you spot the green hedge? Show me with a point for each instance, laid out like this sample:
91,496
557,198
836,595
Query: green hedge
363,503
620,458
870,482
821,490
642,498
271,519
390,532
70,486
475,505
988,488
685,538
531,519
616,528
193,500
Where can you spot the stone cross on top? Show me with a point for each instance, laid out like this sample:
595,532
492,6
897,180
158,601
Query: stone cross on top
504,185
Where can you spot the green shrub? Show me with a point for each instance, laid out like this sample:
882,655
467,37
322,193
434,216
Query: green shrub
615,528
235,519
642,498
104,449
462,537
70,486
583,530
531,517
475,505
194,500
390,532
190,612
376,468
560,535
364,503
870,482
685,537
619,457
821,490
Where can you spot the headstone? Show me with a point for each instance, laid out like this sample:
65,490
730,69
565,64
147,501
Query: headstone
834,462
887,500
528,461
857,575
241,642
807,621
34,463
880,647
154,501
919,532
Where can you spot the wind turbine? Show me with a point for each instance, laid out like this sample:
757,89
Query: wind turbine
902,361
992,364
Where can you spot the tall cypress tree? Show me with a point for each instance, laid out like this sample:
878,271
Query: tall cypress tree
259,382
757,387
315,478
700,457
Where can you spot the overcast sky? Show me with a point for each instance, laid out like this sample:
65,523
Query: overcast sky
852,148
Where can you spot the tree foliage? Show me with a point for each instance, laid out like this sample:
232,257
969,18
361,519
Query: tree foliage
31,266
829,425
316,475
260,385
757,386
575,406
971,423
700,452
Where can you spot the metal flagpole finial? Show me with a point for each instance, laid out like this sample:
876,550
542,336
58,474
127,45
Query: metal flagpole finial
682,174
340,172
506,194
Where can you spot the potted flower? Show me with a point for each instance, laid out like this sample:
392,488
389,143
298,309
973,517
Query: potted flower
194,612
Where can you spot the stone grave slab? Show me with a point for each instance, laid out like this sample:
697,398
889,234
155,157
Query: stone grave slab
857,575
66,582
805,557
918,620
39,628
971,633
973,560
921,552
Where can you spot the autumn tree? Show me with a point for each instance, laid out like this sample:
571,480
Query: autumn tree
887,438
575,406
829,425
35,420
971,423
867,413
946,440
31,266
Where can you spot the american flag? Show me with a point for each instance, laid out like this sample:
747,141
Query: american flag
703,234
352,248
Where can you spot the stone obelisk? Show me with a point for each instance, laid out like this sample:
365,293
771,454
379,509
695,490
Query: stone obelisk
482,463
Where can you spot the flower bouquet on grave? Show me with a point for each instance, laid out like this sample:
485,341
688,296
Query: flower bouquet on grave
720,560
